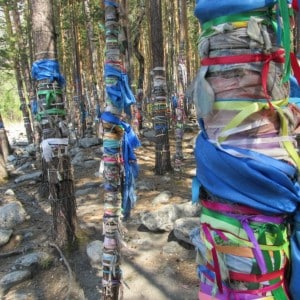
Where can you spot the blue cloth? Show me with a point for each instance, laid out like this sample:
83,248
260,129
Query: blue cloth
174,102
131,169
47,69
252,179
120,94
34,106
209,10
294,87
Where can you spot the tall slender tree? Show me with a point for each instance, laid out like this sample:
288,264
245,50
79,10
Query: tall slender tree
119,159
180,103
21,68
159,91
51,116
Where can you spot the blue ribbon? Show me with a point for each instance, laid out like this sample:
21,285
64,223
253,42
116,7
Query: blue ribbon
120,94
251,178
47,69
111,3
131,169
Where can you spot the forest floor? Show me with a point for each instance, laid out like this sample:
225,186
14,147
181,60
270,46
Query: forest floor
148,272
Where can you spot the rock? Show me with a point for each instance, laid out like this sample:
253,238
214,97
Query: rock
11,158
9,192
5,235
162,198
94,251
82,160
11,215
34,261
189,209
89,142
13,278
31,149
183,227
31,176
164,219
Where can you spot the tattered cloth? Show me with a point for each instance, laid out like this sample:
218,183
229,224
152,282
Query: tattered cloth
47,69
129,143
252,178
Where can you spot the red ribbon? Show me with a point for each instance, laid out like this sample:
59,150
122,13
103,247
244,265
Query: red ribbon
277,56
295,5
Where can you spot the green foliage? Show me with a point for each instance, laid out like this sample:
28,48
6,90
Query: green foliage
9,103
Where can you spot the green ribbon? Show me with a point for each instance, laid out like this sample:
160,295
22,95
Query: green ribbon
50,96
51,111
286,37
242,17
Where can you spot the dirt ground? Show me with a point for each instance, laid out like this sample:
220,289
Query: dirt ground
148,272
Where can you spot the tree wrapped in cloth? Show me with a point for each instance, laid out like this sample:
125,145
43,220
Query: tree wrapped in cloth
50,117
247,161
119,161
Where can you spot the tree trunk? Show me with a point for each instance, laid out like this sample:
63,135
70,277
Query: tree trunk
138,54
93,59
20,65
77,74
112,195
4,143
51,114
116,164
159,92
180,111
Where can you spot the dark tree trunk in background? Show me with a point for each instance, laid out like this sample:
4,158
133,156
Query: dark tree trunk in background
5,150
135,45
57,170
77,76
13,29
23,72
180,111
159,91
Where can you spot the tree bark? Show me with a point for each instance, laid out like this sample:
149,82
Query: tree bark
159,92
51,114
20,65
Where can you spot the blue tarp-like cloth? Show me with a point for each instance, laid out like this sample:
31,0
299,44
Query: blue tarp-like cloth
120,94
129,143
247,177
47,69
209,10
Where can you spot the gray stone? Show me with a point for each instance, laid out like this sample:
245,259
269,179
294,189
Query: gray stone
94,251
89,142
164,219
162,198
31,176
13,278
9,192
11,158
33,261
5,235
11,215
183,227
